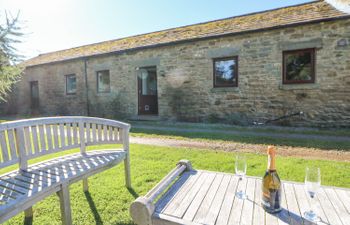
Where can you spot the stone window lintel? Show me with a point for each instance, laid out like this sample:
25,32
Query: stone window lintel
312,43
222,52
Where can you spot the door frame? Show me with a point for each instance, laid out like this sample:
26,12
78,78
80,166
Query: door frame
138,90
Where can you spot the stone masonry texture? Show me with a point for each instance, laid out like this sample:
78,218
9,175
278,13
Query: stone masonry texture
185,80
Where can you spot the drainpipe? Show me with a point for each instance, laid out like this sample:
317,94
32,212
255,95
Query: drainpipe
86,87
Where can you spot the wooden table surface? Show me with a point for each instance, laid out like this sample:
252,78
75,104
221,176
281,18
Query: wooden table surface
204,197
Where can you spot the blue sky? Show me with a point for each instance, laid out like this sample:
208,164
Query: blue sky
53,25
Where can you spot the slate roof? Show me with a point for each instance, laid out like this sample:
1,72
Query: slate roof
288,16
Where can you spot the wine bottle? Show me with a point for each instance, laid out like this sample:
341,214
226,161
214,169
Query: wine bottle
271,185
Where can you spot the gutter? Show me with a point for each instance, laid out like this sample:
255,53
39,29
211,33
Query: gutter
196,39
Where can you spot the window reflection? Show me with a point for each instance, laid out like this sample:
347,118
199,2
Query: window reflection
103,81
225,72
71,84
299,66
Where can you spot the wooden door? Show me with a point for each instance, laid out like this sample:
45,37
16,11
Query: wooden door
147,91
34,96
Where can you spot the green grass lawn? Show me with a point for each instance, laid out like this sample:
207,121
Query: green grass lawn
108,200
258,129
217,136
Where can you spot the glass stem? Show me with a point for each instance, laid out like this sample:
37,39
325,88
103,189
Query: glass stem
312,204
240,180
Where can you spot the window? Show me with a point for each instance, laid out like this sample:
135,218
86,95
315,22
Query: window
71,84
226,72
103,81
299,66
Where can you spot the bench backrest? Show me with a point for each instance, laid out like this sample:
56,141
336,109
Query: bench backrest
23,140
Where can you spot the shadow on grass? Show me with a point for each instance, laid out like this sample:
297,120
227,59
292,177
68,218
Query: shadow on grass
93,208
133,193
220,136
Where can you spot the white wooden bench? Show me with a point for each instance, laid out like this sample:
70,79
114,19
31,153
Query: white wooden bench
24,140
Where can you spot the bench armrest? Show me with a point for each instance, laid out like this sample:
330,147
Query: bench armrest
143,207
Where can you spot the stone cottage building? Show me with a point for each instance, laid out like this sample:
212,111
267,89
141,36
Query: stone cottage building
253,67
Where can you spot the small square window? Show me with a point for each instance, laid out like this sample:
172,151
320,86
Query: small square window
71,84
226,72
103,81
299,66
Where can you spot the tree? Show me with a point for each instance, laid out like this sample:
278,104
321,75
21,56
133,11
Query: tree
10,70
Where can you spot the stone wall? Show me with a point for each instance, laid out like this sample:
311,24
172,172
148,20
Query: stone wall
185,89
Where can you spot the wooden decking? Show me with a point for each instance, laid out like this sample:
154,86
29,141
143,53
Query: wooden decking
204,197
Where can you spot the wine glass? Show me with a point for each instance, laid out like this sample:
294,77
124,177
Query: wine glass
241,169
312,184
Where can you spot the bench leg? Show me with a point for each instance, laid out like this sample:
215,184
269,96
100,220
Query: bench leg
28,216
85,185
127,171
66,214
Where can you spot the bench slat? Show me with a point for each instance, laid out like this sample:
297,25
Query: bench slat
99,132
35,139
43,146
62,135
105,135
88,132
75,133
117,135
4,150
9,190
12,143
20,184
69,133
28,141
94,133
49,136
7,195
55,136
13,186
110,133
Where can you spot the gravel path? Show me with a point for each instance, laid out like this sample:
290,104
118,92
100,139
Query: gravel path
305,153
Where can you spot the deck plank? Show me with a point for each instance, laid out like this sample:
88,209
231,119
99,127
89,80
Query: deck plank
283,216
259,213
236,212
192,209
173,205
344,198
209,198
248,205
191,194
215,207
328,208
224,213
204,207
167,198
338,205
